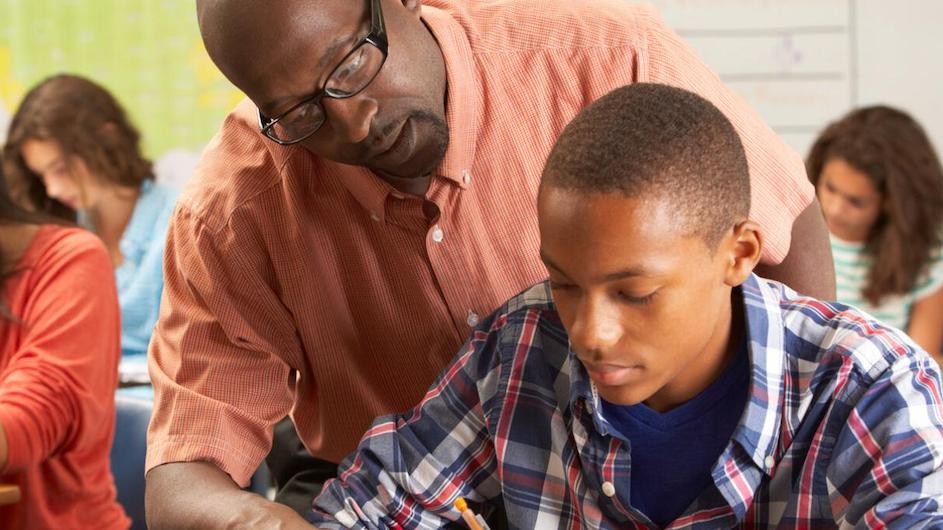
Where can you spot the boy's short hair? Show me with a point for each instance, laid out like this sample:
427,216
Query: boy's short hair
649,139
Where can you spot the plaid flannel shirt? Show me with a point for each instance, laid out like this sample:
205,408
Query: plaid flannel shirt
843,428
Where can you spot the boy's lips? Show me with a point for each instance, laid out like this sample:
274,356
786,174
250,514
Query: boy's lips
612,374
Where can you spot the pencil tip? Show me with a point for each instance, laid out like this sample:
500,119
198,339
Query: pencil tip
460,504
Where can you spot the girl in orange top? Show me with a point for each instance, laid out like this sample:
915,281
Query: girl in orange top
59,350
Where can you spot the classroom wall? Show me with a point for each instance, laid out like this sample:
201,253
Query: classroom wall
802,63
900,58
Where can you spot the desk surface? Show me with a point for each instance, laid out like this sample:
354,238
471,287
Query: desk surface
9,493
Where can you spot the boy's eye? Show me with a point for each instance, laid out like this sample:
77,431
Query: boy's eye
558,285
635,300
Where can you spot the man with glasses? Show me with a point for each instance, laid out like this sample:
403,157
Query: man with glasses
372,200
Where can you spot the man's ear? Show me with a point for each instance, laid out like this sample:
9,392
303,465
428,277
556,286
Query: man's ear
743,246
413,6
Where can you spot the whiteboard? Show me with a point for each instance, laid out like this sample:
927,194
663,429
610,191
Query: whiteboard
804,63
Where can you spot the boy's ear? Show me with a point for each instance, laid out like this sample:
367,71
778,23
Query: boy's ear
744,246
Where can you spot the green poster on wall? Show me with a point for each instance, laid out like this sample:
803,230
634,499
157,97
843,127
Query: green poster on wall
147,52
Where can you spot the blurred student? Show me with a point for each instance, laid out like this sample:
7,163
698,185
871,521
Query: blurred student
72,152
59,350
654,380
880,185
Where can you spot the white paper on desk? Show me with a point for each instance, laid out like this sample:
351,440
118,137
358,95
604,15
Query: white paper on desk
133,370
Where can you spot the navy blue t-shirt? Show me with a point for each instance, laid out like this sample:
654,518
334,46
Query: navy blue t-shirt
673,453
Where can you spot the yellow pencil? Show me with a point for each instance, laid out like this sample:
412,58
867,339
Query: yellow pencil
467,514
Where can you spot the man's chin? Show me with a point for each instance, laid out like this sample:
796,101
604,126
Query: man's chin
422,165
429,155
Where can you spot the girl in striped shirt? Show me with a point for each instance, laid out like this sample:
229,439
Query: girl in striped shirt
880,184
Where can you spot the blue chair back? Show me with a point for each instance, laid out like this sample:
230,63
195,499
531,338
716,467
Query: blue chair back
127,454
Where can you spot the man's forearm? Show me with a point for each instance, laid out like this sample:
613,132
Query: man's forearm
808,268
199,495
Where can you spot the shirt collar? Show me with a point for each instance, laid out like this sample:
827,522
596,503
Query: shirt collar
140,226
584,394
464,100
366,188
462,114
761,423
140,232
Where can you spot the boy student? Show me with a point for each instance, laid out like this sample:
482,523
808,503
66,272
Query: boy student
654,381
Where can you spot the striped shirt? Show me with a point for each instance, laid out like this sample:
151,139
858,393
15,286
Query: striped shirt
843,428
298,285
852,265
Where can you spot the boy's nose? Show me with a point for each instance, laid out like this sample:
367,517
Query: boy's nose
594,331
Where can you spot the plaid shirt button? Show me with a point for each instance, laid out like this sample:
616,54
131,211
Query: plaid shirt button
608,489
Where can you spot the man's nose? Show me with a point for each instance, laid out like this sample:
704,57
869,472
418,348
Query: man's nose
351,117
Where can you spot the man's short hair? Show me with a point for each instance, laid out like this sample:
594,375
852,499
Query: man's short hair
655,140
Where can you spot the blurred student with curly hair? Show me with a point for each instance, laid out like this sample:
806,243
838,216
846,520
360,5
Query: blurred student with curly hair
880,184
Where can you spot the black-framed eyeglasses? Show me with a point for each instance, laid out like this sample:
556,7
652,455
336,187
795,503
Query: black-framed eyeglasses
353,74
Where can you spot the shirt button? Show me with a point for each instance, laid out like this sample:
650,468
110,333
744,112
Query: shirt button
770,462
472,319
466,176
608,489
437,234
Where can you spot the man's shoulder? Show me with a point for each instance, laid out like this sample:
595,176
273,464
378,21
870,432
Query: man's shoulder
505,26
237,167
